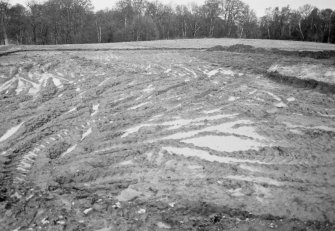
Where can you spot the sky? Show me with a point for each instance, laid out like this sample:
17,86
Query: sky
258,6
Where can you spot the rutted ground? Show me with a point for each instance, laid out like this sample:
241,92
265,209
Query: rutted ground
149,140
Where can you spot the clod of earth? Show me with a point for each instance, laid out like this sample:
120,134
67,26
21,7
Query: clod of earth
57,149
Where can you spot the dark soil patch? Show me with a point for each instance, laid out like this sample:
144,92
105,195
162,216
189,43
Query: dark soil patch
57,149
241,48
322,87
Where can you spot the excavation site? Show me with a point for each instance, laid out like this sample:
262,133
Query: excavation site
168,135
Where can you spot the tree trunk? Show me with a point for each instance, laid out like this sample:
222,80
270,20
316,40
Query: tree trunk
34,28
3,27
21,37
211,28
96,24
137,36
125,38
290,31
329,32
302,34
241,32
168,33
100,34
197,27
185,29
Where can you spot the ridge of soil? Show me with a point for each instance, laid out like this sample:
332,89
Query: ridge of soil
323,87
241,48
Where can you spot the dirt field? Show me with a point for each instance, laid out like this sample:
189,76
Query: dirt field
167,139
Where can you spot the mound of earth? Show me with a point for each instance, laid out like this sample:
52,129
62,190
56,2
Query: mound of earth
242,48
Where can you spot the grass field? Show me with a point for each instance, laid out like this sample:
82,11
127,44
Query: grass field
167,139
191,44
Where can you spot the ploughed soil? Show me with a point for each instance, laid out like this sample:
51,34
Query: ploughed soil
218,139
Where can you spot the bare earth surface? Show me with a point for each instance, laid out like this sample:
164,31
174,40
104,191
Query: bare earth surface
166,140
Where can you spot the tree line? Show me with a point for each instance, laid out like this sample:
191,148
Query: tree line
74,21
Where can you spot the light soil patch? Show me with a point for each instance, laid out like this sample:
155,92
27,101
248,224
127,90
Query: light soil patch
10,132
95,109
306,71
189,152
224,143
